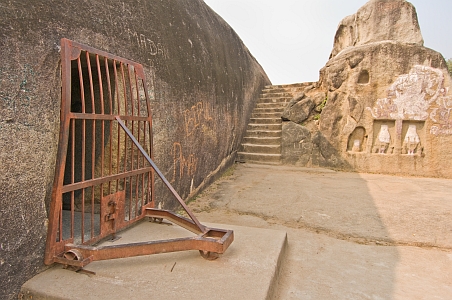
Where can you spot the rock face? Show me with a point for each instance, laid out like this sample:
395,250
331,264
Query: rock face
379,20
387,106
202,80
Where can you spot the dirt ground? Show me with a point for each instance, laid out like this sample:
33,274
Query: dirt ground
351,236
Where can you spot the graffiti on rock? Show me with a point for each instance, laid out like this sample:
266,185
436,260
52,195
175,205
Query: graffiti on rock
182,163
195,116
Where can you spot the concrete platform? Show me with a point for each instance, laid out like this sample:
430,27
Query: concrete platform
249,267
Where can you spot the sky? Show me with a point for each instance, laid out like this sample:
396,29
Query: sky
293,39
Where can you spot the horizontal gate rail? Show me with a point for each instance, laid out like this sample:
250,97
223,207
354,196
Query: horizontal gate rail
97,181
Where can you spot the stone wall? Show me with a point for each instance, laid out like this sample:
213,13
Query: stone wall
203,83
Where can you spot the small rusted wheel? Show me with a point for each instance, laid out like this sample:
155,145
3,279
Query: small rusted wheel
73,254
209,255
156,220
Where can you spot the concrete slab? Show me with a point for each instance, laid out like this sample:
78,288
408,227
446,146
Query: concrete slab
249,267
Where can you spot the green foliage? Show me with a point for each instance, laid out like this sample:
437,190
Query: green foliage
449,65
322,105
319,108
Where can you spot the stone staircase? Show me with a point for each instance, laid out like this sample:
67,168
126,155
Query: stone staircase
262,141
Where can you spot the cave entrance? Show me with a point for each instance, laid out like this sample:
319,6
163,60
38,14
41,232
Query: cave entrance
104,177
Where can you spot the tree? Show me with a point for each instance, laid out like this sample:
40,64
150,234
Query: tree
449,65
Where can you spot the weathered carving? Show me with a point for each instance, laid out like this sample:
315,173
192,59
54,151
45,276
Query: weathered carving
383,140
412,142
410,96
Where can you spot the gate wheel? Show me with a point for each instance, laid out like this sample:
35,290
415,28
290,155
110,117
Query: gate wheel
209,255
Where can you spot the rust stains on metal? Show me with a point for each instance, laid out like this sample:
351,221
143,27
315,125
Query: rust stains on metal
104,177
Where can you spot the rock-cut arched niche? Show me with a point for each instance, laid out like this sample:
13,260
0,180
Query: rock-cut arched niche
357,140
364,77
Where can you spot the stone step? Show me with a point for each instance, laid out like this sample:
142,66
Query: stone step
259,114
292,85
276,95
275,100
264,127
270,105
273,90
261,149
260,110
262,140
259,158
265,121
263,133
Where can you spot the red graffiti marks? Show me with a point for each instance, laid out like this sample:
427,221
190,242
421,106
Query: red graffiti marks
186,165
195,116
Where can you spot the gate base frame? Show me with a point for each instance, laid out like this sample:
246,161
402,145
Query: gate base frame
211,244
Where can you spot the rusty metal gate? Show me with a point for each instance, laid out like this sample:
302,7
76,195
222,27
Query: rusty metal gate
104,177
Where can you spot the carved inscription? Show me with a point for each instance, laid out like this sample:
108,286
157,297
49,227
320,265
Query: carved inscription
146,44
185,164
195,116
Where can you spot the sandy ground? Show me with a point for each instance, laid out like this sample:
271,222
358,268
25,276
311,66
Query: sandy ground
351,236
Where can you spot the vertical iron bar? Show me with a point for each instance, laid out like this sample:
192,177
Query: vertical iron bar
126,111
107,71
142,164
119,113
137,200
117,87
132,82
83,144
132,158
61,221
151,176
138,94
102,160
82,91
93,138
91,86
73,178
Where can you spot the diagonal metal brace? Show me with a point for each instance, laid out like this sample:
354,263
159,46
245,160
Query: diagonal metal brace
201,227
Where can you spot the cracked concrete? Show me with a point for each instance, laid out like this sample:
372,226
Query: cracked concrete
351,235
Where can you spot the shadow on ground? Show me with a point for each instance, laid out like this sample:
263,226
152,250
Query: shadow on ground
351,236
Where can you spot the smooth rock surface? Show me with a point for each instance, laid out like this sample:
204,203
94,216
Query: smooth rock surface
202,82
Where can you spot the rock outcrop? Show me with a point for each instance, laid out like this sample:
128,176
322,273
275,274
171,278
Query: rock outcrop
387,107
376,21
202,80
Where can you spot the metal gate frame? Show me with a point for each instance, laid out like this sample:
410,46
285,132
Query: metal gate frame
119,206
